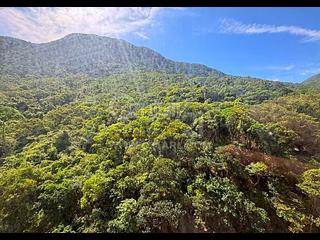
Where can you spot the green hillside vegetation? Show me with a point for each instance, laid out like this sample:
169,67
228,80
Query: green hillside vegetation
86,54
313,81
157,152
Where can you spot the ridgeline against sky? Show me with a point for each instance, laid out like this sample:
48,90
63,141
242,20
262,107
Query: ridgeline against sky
269,43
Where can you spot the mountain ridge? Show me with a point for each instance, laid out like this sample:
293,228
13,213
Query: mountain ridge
88,54
313,81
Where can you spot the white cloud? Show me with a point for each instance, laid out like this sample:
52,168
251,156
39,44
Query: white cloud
46,24
142,35
233,26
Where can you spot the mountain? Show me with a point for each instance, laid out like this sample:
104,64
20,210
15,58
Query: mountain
313,81
87,54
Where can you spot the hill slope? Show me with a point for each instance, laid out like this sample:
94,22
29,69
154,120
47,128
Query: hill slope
313,81
86,54
155,152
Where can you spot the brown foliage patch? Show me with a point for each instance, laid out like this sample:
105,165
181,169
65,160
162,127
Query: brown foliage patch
276,164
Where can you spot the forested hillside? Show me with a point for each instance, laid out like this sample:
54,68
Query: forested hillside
313,81
86,54
151,151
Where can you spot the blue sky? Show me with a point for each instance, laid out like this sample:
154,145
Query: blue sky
270,43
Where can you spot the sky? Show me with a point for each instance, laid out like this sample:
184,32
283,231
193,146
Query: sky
280,44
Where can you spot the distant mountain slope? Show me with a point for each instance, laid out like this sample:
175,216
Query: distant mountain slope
313,81
87,54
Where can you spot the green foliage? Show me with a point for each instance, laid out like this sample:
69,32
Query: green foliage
126,217
162,216
219,197
296,219
157,152
62,141
311,182
257,168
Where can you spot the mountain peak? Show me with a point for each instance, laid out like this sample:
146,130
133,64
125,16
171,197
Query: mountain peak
89,54
80,36
77,35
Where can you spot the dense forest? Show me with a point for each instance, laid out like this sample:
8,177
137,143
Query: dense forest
148,151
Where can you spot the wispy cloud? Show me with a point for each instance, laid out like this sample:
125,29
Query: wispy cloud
236,27
280,68
46,24
310,71
142,35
